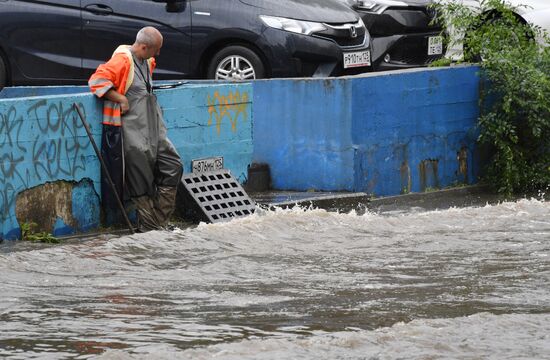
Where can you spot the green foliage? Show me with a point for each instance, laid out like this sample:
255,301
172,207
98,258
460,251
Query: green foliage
28,234
515,117
441,62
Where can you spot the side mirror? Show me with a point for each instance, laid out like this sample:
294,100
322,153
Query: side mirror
174,5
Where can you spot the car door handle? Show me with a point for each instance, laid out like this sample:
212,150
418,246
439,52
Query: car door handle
99,9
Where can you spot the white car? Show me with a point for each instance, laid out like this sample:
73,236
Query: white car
535,12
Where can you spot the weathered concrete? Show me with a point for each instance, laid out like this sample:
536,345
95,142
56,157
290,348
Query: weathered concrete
381,134
385,133
49,173
473,195
42,141
59,206
464,196
330,201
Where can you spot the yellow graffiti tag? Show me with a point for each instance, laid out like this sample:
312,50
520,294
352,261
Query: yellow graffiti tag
230,106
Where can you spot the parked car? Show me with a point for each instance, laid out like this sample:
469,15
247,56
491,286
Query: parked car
404,33
535,12
63,41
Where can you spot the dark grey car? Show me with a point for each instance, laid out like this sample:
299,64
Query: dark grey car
63,41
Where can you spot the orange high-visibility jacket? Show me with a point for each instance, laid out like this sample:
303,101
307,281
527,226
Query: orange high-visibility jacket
117,73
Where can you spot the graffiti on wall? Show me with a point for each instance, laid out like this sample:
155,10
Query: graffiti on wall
230,107
39,142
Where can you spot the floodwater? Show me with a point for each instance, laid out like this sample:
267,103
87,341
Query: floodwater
466,283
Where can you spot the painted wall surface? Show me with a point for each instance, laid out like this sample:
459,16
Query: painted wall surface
418,132
211,120
302,130
43,141
50,173
30,91
386,133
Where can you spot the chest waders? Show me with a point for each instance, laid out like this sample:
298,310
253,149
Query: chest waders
152,165
142,156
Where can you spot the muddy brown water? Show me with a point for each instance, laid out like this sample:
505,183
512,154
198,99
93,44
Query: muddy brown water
469,282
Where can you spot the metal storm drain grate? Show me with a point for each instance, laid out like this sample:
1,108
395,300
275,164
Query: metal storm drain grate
218,194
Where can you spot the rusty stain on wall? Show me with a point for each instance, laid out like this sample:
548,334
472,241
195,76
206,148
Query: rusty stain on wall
405,172
229,106
428,170
462,157
44,204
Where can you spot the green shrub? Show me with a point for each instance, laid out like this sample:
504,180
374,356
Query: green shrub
28,234
515,101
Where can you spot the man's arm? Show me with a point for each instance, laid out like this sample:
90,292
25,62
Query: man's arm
115,96
106,81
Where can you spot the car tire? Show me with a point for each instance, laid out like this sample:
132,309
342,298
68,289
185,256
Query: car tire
3,74
237,63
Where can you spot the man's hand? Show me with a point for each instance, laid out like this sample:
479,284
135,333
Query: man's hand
114,96
124,105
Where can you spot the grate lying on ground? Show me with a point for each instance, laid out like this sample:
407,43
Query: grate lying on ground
218,194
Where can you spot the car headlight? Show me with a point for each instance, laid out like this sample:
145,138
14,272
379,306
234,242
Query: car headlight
295,26
361,23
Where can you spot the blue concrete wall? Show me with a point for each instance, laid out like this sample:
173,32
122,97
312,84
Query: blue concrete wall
42,141
386,133
302,130
31,91
419,119
211,120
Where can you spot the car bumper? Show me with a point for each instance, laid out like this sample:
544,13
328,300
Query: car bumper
400,37
403,51
295,55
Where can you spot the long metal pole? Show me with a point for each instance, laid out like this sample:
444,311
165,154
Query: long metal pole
104,167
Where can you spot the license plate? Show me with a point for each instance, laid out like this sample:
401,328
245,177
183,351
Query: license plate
209,164
435,45
357,59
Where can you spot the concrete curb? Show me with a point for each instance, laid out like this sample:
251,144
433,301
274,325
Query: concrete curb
330,201
474,195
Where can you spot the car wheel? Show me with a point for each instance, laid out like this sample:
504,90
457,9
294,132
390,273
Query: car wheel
236,63
3,74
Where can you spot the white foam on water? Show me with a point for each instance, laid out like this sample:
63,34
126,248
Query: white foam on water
479,336
290,284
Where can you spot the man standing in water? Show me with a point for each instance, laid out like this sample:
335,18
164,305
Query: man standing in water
149,167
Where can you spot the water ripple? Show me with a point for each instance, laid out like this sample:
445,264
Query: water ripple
297,283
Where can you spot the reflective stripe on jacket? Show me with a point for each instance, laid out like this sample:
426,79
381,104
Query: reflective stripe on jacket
117,73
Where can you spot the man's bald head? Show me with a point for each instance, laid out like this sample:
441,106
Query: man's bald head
148,42
148,36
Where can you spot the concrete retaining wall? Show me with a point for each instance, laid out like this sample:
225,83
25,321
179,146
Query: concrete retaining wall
32,91
211,120
50,173
385,134
43,142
